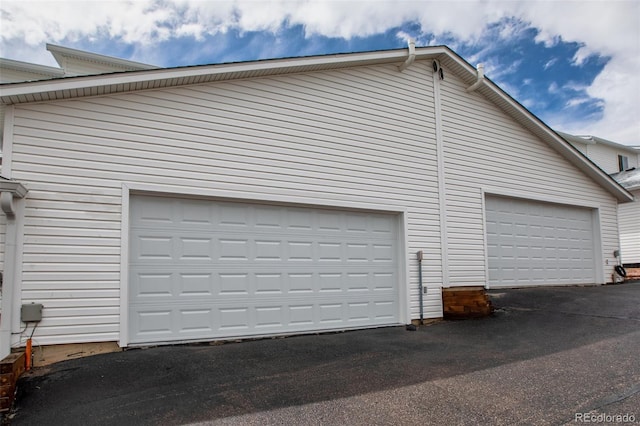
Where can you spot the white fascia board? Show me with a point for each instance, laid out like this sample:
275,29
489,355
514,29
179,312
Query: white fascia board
31,68
288,65
61,52
593,140
615,145
587,140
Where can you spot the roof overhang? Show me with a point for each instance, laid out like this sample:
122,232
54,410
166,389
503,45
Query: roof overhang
45,71
532,123
593,140
118,82
61,53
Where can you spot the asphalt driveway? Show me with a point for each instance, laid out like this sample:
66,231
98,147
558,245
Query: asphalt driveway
547,356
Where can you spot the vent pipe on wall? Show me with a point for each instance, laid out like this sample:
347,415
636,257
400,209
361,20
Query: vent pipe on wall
480,79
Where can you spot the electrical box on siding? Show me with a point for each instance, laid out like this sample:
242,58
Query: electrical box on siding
31,312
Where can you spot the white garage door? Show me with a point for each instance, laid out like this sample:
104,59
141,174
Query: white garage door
535,243
203,270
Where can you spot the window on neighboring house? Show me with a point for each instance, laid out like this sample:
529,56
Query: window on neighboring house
623,163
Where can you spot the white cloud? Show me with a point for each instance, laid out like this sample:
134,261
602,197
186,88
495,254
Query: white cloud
576,87
577,101
604,27
550,63
620,90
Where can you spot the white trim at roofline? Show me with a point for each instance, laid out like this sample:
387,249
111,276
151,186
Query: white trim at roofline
44,70
593,140
14,92
118,82
61,52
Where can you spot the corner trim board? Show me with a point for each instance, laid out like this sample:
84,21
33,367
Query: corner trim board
7,141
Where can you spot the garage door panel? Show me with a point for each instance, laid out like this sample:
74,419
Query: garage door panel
187,321
202,269
205,285
160,248
534,243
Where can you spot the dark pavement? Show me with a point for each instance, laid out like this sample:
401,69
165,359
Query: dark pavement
547,355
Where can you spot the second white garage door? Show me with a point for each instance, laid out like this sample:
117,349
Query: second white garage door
204,270
535,243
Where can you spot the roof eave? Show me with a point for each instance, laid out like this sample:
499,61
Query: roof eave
543,131
61,52
166,77
50,72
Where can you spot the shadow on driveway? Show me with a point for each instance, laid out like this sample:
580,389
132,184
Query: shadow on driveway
191,383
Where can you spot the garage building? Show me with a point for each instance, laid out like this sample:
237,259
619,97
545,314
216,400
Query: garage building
283,196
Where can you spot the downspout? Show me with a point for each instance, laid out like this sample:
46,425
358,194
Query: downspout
479,80
6,203
411,58
9,190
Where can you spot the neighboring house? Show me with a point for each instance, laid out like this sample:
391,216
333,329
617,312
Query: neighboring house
622,163
284,196
629,218
72,62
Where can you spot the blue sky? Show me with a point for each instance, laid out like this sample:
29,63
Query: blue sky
575,64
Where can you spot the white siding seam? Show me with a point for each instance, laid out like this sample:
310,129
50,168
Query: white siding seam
444,255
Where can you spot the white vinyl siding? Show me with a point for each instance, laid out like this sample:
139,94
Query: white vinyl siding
361,135
606,157
485,150
582,147
629,224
